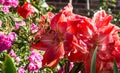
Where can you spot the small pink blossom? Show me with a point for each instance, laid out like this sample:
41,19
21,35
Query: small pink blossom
21,69
5,9
12,36
12,54
34,28
18,24
17,59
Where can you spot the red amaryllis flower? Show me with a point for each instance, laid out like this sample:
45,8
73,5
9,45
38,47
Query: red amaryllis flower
54,51
75,37
64,29
26,10
102,34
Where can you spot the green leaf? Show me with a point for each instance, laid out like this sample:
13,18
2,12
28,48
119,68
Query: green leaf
115,67
8,65
93,62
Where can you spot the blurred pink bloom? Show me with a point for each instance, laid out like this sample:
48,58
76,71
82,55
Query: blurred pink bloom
34,28
17,59
21,69
12,54
5,9
35,60
6,41
12,36
13,3
18,24
33,67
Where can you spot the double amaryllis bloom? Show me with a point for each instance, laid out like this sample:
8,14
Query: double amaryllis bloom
75,37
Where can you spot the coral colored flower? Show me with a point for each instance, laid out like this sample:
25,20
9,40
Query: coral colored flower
21,69
35,60
75,37
56,39
26,10
95,32
50,42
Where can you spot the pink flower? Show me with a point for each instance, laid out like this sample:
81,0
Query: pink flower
12,36
18,24
6,41
5,9
35,60
21,69
17,59
34,28
12,54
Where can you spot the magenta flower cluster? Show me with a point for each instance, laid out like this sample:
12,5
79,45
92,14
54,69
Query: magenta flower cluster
13,3
6,41
21,69
35,60
7,4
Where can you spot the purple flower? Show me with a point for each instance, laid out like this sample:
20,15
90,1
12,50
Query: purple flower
34,28
9,3
5,9
21,69
5,42
35,60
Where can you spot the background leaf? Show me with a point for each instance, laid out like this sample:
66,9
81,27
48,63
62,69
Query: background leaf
9,66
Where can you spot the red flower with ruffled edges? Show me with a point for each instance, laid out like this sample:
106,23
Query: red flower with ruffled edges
26,10
76,37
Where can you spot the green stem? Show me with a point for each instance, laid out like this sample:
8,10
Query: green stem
67,66
93,62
